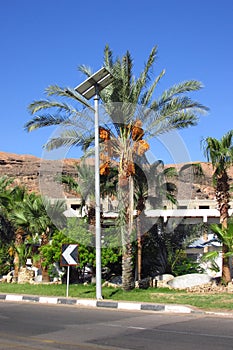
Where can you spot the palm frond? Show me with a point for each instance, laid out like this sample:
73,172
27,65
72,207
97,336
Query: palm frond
44,120
183,87
178,104
108,58
37,106
170,172
225,235
171,198
144,77
68,93
180,121
126,74
68,138
86,70
219,152
145,100
227,139
5,181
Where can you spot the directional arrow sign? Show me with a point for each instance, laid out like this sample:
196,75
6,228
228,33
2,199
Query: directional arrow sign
69,254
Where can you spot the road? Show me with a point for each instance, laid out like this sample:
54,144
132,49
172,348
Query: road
39,326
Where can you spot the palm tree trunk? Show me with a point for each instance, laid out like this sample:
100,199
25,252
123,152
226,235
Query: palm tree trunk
226,270
222,196
18,241
125,195
44,269
140,207
139,254
16,267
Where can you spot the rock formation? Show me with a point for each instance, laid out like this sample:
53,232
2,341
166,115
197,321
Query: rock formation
34,173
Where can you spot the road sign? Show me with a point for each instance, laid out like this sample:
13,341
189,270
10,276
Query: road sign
69,255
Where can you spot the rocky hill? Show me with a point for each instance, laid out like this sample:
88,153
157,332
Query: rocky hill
35,173
28,170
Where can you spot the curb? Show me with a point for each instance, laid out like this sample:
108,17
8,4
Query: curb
100,303
121,305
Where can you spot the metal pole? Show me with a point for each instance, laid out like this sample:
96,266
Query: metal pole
97,200
68,281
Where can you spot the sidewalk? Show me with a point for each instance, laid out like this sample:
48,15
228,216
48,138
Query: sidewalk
121,305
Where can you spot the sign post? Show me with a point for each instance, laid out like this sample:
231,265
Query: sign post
69,257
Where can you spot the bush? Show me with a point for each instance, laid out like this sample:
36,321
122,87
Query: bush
185,266
6,261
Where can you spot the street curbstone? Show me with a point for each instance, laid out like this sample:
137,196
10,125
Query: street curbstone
152,307
30,298
108,304
66,301
129,306
178,309
14,297
86,302
47,300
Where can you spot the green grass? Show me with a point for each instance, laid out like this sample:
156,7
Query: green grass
217,301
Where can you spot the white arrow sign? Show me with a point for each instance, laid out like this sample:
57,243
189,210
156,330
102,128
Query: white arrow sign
67,254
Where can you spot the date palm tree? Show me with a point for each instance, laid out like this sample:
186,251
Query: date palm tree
125,132
220,154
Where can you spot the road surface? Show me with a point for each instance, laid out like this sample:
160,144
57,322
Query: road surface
39,326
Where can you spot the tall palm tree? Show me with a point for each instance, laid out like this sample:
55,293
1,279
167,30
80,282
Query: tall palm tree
220,154
125,132
155,186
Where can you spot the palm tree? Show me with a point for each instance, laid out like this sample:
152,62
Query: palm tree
32,215
225,236
14,197
125,133
220,154
152,184
6,229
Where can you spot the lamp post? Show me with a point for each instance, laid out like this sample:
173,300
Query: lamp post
91,87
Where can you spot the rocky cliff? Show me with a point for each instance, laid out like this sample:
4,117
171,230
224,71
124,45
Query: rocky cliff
35,173
28,170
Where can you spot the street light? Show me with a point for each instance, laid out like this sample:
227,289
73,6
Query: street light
91,87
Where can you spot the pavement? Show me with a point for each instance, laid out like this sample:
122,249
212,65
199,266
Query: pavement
121,305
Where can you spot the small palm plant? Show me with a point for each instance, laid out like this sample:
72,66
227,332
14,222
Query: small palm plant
225,236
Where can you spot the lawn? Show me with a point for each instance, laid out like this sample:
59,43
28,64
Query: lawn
208,301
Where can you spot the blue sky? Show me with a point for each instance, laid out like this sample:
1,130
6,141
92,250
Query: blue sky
43,42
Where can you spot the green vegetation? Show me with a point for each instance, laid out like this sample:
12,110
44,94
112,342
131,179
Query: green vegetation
219,301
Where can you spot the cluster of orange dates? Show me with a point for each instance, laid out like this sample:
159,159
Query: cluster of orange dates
140,146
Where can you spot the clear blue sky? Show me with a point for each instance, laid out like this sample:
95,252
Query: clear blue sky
43,42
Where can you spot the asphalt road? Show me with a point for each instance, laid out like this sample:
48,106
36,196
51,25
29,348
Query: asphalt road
34,326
